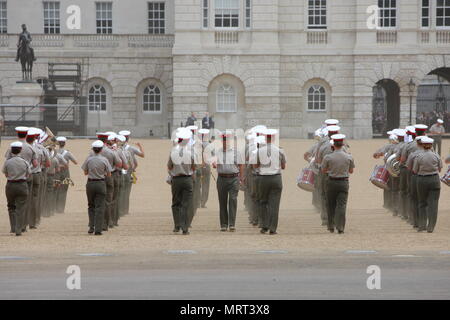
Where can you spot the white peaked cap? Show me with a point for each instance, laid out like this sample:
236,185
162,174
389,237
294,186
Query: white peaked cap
270,132
203,131
61,139
121,138
389,133
192,127
338,137
333,129
259,129
440,121
16,144
400,132
260,140
426,140
393,137
184,134
419,138
22,129
108,133
251,136
318,133
112,137
125,133
33,132
97,144
421,127
411,129
331,122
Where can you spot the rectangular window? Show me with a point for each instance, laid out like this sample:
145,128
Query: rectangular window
443,13
205,13
226,13
104,17
156,18
3,18
426,13
51,17
388,13
248,13
317,14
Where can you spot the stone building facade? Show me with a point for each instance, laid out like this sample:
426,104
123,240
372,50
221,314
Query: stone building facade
288,64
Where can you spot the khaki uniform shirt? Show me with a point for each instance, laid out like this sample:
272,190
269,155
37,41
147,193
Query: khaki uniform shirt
412,158
16,168
427,163
228,161
67,155
338,164
28,153
270,160
181,159
408,149
110,155
134,152
436,130
97,166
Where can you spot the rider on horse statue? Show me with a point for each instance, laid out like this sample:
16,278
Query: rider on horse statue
24,39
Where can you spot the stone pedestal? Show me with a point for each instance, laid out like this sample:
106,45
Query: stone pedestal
26,93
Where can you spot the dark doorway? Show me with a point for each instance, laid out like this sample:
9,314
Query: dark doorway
433,98
385,107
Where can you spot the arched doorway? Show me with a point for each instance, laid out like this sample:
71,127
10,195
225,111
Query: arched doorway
385,107
433,98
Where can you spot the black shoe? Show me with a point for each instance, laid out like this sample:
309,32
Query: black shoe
98,233
16,59
273,232
176,230
264,230
32,227
24,230
255,224
18,234
430,231
331,230
185,233
91,231
12,231
340,231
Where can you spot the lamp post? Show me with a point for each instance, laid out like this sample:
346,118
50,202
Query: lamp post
411,87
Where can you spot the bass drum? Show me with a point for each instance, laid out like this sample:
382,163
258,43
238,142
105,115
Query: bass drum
305,180
446,178
380,177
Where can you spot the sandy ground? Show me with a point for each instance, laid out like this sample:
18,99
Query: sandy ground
146,234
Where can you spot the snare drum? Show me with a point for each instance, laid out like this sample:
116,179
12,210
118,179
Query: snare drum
305,180
446,178
380,177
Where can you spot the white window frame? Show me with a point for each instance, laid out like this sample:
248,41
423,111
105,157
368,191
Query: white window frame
3,20
239,8
318,27
436,16
206,9
422,17
101,8
316,94
231,102
158,20
161,99
97,87
397,18
52,16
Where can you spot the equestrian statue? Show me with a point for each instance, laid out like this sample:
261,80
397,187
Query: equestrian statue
25,54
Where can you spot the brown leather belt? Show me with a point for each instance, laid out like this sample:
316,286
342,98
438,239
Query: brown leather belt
231,175
17,181
339,179
94,180
181,176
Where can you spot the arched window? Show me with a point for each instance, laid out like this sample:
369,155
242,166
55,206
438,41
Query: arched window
97,98
317,99
226,99
152,99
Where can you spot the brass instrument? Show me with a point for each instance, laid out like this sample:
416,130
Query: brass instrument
393,165
133,178
50,139
68,181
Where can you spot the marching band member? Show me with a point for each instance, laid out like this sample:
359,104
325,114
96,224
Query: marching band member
127,160
337,165
64,175
181,167
17,171
205,168
396,200
97,168
427,166
412,191
436,132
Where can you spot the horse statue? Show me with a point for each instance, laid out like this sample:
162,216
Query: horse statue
25,54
